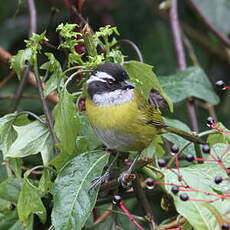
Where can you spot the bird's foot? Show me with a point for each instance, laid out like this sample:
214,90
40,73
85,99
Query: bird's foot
126,179
99,180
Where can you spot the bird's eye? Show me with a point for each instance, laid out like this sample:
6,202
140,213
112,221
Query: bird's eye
110,82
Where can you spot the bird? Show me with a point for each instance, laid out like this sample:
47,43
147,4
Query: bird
120,115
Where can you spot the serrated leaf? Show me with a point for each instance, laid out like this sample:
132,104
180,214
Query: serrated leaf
21,60
145,79
32,139
216,12
72,199
29,203
192,82
66,122
219,137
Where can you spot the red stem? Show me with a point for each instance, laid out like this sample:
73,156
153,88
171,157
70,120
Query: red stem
128,214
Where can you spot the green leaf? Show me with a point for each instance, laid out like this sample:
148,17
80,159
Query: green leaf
32,139
66,122
87,137
7,132
3,173
145,79
21,60
199,216
30,203
73,201
154,149
9,221
178,140
219,137
9,190
53,66
192,82
216,12
34,43
45,183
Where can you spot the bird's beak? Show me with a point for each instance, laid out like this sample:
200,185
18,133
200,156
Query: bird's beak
127,85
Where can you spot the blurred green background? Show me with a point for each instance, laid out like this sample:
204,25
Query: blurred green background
140,21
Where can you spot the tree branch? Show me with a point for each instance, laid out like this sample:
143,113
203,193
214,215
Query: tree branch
142,198
177,38
33,17
46,109
5,57
222,37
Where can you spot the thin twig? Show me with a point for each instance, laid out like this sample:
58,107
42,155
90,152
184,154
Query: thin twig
32,29
6,79
5,57
176,32
191,51
142,198
195,62
217,50
134,47
104,215
45,106
33,17
25,95
18,94
173,224
222,37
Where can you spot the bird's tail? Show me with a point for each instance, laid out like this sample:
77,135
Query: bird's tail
184,134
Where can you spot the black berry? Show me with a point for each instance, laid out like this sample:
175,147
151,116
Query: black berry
116,199
174,149
189,157
210,121
225,227
162,162
184,197
175,190
218,179
206,148
220,84
150,182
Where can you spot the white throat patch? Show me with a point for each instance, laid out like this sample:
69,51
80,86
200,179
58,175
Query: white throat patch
117,97
100,76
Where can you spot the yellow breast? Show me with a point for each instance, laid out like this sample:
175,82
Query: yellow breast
126,119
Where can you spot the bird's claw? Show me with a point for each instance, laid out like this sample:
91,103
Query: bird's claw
126,179
96,182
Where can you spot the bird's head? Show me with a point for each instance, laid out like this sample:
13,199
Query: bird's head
109,85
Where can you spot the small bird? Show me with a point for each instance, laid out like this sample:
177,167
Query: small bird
120,115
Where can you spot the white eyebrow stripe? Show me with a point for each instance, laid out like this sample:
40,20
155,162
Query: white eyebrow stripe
100,76
104,75
94,78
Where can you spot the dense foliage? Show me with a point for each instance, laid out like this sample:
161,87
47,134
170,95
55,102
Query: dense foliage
50,160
